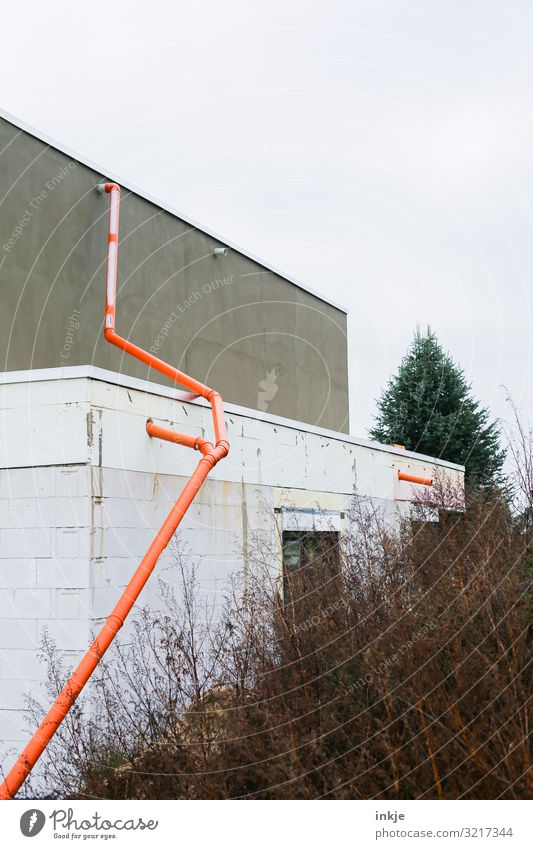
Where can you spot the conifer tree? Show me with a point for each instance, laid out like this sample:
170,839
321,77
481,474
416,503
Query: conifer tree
428,407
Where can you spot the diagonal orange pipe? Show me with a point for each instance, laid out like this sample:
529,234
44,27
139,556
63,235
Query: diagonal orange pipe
404,476
211,455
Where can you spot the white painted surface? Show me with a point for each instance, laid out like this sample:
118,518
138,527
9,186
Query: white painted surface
83,489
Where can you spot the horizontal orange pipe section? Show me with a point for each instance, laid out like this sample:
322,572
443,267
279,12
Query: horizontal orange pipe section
403,476
168,435
211,455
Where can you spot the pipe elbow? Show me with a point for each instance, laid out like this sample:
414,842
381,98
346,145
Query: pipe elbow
222,449
204,446
112,187
109,334
216,452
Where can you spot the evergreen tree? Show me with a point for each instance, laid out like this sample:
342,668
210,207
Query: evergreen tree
428,407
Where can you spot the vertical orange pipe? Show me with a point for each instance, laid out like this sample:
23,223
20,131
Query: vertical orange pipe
115,620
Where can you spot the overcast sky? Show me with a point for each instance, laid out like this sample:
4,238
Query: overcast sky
380,152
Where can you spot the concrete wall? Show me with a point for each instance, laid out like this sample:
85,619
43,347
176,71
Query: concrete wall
261,340
83,490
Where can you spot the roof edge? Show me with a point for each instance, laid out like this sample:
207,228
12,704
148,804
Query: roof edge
129,382
43,137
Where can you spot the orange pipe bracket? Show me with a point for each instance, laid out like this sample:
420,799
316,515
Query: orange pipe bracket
211,454
404,476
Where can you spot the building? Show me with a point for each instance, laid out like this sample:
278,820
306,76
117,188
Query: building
83,489
264,341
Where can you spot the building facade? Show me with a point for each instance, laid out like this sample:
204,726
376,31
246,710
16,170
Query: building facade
83,488
232,322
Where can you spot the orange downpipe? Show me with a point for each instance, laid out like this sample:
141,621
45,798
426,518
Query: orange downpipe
404,476
211,455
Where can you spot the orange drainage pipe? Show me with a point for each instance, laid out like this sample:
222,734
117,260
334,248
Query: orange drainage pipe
403,476
212,453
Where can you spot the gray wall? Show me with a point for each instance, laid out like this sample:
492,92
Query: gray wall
227,321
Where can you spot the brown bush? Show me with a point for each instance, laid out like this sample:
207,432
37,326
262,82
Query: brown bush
393,668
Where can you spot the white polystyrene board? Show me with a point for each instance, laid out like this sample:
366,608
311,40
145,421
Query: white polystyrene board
42,391
18,632
58,572
45,512
44,435
374,474
25,602
126,445
125,383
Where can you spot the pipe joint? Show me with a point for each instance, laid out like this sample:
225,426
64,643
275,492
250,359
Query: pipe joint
222,447
205,447
114,617
109,334
211,459
211,455
215,453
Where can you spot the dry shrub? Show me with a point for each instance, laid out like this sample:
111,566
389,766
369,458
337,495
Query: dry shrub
395,666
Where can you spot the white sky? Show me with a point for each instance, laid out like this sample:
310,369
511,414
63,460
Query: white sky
381,152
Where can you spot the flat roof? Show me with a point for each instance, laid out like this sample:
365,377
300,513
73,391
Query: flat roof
113,176
124,380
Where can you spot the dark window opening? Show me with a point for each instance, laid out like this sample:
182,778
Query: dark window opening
311,564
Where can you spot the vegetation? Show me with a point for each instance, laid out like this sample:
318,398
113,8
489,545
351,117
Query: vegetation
428,407
404,675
